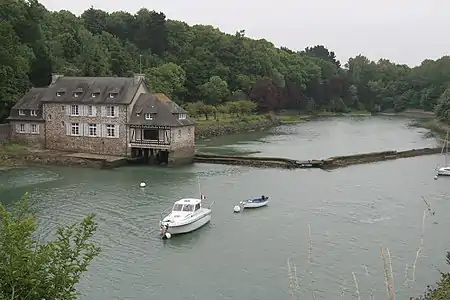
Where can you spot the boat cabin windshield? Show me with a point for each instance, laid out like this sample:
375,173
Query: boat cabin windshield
177,207
183,207
188,207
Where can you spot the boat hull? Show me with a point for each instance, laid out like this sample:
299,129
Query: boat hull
174,229
444,172
255,204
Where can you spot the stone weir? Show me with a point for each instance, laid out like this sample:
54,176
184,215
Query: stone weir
329,163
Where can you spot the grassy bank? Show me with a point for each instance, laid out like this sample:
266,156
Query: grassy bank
10,155
228,124
222,124
438,128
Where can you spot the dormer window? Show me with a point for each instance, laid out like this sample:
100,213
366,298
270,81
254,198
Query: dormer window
95,95
182,116
33,113
21,112
148,116
59,94
77,94
113,95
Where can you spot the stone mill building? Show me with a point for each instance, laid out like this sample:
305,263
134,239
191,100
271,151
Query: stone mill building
114,116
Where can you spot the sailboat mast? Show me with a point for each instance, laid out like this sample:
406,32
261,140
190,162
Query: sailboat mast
446,148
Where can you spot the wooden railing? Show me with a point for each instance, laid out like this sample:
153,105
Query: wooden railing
150,142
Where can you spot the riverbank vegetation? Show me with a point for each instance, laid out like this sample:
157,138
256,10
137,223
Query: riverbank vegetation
31,268
201,63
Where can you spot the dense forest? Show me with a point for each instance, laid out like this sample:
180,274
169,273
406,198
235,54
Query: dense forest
201,63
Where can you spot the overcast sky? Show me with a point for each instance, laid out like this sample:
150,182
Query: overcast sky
400,30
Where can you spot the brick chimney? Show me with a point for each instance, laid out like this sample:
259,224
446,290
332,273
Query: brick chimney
55,78
138,78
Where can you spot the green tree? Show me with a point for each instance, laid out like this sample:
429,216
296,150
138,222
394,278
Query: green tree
246,106
193,109
168,78
215,90
223,109
191,63
14,65
32,269
443,106
442,290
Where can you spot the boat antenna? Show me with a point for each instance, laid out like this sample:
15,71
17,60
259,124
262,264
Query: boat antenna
199,189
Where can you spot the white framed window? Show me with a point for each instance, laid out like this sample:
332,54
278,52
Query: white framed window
113,95
77,94
34,128
75,129
95,95
182,116
148,116
21,128
59,94
111,111
91,111
92,129
63,108
74,110
110,130
33,113
21,112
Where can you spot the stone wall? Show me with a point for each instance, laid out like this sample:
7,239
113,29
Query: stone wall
5,132
182,156
31,140
57,138
182,148
58,123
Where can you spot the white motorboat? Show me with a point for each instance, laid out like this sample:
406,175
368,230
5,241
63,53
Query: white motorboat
255,203
187,215
445,170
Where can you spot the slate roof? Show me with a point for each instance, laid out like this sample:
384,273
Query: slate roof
124,87
31,101
165,111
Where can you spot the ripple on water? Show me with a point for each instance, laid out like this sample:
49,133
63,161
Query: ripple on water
21,177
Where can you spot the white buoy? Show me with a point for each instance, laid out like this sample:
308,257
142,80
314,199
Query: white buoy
237,208
435,177
168,235
142,184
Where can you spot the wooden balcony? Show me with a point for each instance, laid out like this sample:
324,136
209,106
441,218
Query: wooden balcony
153,144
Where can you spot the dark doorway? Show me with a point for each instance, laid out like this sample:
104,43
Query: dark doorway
164,157
151,134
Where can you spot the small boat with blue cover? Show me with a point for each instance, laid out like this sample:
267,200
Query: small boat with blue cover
254,203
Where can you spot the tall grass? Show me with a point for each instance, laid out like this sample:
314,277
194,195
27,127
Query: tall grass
386,260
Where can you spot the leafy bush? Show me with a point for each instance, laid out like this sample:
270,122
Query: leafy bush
32,269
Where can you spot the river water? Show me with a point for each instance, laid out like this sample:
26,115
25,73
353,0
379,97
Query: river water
351,212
